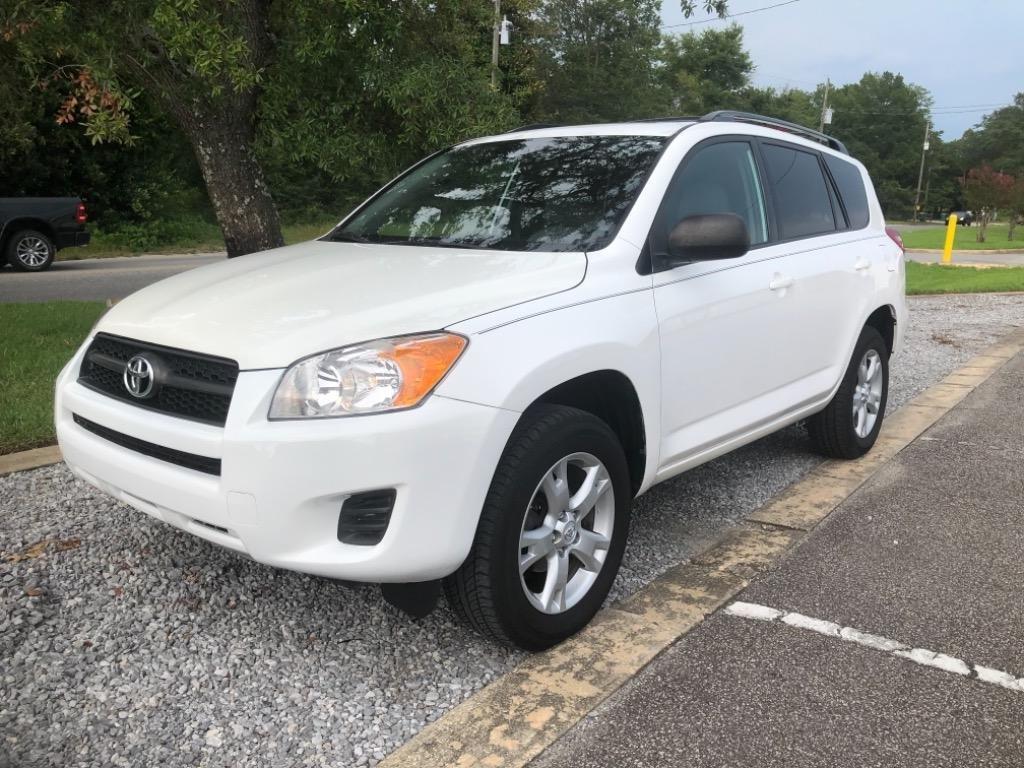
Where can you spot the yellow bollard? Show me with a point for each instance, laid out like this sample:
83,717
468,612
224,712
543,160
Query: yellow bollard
947,249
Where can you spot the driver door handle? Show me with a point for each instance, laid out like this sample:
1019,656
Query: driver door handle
780,282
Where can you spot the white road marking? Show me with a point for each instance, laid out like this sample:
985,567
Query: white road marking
920,656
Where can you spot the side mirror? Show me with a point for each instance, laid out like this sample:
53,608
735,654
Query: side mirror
709,236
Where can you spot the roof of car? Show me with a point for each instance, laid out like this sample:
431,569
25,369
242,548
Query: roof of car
666,127
669,126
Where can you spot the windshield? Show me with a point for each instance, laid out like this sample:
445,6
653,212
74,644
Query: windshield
553,194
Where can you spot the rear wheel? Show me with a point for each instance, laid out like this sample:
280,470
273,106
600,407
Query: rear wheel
849,426
551,533
30,251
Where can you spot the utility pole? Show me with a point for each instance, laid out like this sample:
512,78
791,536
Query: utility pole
920,173
495,43
826,113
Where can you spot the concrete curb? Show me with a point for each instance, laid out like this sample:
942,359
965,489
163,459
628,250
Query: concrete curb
37,457
512,720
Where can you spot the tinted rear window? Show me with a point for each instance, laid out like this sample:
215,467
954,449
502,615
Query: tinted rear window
802,204
851,190
551,194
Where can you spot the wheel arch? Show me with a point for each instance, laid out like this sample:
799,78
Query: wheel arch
883,319
610,396
14,226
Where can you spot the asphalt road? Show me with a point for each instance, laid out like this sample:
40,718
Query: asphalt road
926,553
97,279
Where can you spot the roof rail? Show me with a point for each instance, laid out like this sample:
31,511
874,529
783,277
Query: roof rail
668,119
729,116
533,127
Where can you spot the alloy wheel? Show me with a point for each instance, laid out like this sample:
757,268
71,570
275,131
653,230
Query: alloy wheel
867,394
566,533
32,251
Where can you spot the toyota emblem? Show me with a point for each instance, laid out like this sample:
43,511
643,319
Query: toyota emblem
138,377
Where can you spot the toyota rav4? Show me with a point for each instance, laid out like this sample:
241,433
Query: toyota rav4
467,381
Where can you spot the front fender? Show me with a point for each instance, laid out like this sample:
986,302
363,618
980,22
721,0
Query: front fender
511,365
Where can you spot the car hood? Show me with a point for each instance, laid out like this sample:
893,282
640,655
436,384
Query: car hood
268,309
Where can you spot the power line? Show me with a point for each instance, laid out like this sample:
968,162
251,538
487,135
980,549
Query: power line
728,15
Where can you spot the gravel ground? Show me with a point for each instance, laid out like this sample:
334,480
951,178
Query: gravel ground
124,642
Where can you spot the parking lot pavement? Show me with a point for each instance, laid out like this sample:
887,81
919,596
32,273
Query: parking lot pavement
926,558
97,279
124,641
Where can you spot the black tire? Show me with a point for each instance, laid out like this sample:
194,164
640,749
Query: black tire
486,591
21,240
833,430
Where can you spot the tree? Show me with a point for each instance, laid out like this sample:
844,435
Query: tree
794,105
881,119
706,70
998,139
599,60
596,60
985,191
120,182
336,85
1015,205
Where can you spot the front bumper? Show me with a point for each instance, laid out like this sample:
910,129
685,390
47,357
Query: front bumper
282,483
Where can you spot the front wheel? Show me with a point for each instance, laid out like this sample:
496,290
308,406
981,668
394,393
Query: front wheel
551,534
849,425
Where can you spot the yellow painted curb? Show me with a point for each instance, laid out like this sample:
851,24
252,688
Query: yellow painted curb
37,457
512,720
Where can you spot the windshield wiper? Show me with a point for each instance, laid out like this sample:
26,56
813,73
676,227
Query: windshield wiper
438,243
347,237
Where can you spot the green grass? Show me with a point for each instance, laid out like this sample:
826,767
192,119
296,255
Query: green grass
966,238
37,340
935,278
184,235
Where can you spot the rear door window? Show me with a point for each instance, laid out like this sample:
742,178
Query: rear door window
848,179
802,204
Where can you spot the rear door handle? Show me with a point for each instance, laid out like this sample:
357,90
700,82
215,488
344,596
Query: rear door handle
780,282
862,264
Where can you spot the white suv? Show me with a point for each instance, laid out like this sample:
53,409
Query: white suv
471,377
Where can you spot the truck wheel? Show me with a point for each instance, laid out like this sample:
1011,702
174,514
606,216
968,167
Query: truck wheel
30,251
849,425
551,534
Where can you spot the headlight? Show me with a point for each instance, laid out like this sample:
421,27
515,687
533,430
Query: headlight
385,375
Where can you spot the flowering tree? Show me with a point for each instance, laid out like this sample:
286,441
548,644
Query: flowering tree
985,191
1015,205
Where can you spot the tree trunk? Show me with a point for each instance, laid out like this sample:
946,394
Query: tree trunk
1013,226
245,210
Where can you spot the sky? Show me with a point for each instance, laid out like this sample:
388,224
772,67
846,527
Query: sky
968,54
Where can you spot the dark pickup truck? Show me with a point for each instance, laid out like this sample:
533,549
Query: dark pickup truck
33,229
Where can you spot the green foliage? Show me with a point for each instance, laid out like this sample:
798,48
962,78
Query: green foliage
882,119
398,84
998,140
706,71
597,60
334,98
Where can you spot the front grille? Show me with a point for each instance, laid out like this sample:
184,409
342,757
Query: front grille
170,455
187,384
